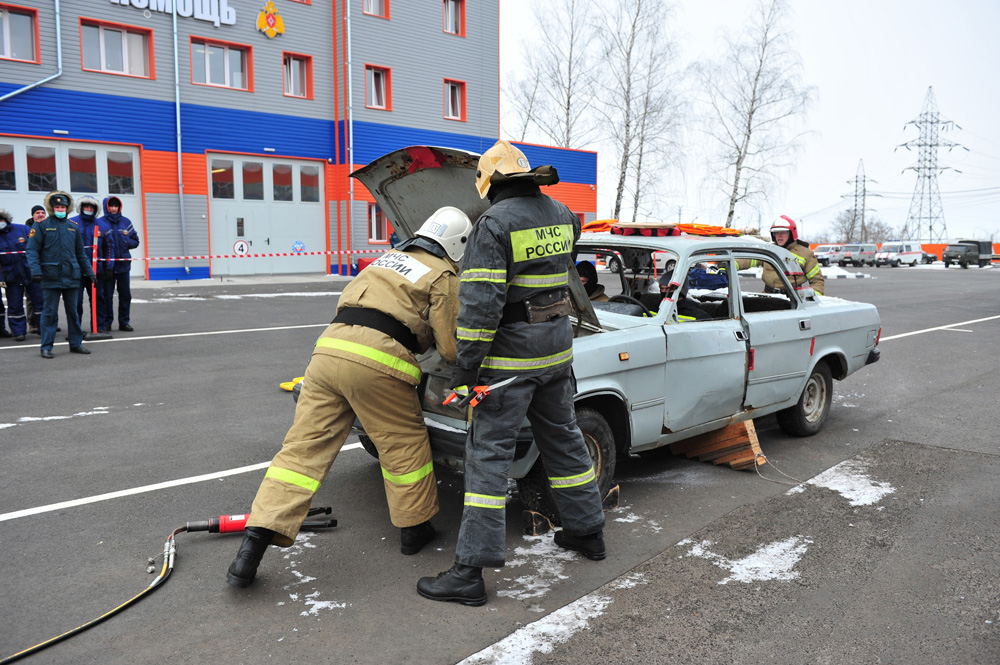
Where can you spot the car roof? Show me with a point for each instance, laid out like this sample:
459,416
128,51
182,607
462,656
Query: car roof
683,244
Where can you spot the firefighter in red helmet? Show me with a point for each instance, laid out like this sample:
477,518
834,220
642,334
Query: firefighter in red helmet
785,234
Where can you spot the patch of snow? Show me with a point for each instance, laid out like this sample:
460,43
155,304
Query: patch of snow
851,480
310,600
549,561
630,581
541,636
774,561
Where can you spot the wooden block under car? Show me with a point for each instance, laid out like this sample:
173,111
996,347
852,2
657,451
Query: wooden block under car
736,445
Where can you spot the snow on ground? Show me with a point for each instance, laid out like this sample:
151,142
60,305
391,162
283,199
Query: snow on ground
310,600
850,478
774,561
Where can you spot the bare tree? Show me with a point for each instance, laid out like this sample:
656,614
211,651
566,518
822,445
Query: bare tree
879,231
553,96
634,105
845,226
753,95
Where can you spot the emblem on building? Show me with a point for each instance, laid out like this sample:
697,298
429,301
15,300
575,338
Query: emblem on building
269,22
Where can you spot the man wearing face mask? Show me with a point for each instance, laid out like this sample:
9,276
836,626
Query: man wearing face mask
88,206
57,262
121,238
15,275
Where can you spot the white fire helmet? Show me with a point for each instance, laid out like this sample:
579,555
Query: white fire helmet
501,158
450,228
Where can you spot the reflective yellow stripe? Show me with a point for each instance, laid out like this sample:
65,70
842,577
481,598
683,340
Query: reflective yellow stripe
681,317
495,362
411,477
812,273
573,481
475,335
292,478
541,281
800,259
392,362
541,242
484,275
485,500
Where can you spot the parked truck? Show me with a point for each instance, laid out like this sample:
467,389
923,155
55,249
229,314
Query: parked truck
968,252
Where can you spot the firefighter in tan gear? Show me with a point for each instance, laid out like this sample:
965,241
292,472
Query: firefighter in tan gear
785,234
364,365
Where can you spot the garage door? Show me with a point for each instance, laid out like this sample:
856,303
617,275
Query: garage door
262,205
31,168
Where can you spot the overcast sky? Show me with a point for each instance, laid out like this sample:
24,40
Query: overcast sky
871,62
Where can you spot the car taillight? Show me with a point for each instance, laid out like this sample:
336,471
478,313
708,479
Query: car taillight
878,336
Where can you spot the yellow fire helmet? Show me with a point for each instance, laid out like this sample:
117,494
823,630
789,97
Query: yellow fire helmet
501,158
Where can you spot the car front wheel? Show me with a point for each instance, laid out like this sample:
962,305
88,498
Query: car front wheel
535,489
808,416
368,445
614,265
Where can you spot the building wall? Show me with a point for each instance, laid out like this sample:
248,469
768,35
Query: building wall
107,108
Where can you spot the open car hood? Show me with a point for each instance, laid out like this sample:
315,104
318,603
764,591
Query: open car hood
411,183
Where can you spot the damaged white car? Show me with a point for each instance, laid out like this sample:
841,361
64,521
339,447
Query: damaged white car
648,375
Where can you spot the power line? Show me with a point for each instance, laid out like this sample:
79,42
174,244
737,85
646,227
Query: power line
926,216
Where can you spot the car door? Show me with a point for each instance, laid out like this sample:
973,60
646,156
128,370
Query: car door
706,360
779,330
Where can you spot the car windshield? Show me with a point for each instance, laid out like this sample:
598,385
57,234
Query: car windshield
890,248
852,248
958,249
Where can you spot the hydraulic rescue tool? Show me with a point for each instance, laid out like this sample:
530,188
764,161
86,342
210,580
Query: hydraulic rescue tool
220,524
476,394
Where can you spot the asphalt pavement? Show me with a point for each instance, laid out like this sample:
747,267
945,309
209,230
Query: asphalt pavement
875,541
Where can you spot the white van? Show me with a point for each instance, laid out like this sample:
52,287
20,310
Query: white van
897,252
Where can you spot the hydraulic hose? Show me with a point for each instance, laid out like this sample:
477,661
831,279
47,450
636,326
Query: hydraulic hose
169,555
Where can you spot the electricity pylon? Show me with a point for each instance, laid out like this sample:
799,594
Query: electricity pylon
925,221
860,183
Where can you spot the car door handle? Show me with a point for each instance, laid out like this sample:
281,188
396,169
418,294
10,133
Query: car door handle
805,324
741,335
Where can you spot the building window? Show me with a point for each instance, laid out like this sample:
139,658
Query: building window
454,17
378,225
83,170
120,175
282,174
253,181
454,100
222,179
116,49
8,176
18,33
309,181
41,169
378,8
298,75
378,88
222,65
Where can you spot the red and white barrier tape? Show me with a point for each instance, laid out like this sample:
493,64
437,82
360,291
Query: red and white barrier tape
348,253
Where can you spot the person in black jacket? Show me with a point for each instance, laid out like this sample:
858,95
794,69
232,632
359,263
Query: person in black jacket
57,262
121,239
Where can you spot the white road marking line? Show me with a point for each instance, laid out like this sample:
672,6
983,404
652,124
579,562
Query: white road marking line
27,512
34,347
947,327
959,330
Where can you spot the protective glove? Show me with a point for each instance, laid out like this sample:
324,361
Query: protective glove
90,279
36,279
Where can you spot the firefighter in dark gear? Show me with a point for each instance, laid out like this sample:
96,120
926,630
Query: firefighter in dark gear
785,234
364,364
513,322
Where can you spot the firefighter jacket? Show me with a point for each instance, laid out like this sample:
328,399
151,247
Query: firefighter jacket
414,287
811,272
521,247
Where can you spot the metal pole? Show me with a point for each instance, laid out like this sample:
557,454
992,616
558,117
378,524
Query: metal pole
180,154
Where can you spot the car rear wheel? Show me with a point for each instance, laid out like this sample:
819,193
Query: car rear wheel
614,265
808,416
535,489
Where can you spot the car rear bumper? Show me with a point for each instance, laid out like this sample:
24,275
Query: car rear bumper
873,356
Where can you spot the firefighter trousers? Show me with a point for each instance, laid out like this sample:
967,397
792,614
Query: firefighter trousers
547,400
334,391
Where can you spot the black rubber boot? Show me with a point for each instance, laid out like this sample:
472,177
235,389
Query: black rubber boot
413,538
244,567
590,545
462,584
